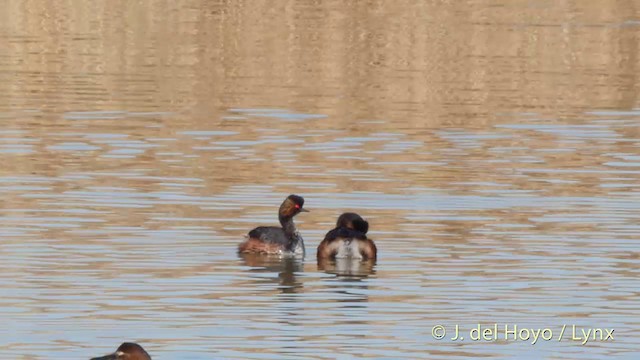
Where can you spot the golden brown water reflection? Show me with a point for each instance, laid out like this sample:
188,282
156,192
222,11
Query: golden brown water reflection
494,147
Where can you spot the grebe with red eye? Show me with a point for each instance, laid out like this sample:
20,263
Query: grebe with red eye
348,240
278,240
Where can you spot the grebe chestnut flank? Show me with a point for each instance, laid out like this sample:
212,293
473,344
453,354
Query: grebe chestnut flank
278,240
348,240
127,351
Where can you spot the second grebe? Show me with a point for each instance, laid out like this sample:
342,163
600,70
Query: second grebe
348,240
278,240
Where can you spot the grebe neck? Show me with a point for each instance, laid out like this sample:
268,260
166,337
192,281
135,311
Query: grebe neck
288,225
296,243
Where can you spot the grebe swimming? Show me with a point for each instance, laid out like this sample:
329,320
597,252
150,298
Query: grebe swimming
278,240
127,351
348,240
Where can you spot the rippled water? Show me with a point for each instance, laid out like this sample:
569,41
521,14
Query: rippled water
494,148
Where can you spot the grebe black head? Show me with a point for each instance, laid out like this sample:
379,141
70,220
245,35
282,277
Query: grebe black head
348,240
278,240
127,351
291,206
353,221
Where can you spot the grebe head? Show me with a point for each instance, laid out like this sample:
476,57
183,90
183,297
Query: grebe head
353,221
292,206
127,351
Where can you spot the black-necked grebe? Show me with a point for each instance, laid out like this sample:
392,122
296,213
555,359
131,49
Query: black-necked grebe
348,240
127,351
278,240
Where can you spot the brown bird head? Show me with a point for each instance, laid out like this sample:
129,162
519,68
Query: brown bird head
127,351
292,206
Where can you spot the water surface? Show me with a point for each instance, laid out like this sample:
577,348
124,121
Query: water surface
494,148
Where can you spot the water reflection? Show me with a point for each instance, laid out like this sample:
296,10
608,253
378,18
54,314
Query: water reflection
274,269
494,146
347,267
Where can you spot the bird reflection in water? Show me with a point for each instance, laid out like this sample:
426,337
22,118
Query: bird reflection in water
285,267
347,267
